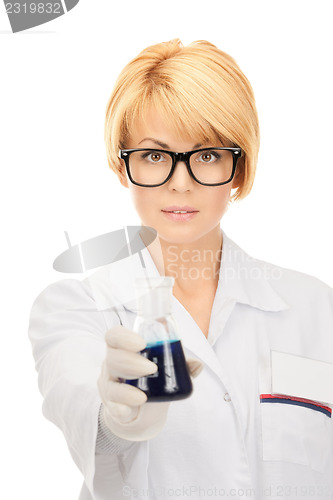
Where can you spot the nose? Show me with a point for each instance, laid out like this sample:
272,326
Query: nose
181,179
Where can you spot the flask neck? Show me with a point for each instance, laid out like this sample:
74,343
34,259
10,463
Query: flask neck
155,302
154,295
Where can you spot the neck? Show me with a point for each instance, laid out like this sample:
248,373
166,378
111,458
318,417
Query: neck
194,266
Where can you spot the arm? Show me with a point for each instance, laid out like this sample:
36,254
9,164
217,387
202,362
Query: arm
69,349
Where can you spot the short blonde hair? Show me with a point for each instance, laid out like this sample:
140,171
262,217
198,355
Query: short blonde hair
199,90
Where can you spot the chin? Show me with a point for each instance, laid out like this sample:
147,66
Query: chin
180,235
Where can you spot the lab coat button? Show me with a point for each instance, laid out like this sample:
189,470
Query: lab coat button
227,397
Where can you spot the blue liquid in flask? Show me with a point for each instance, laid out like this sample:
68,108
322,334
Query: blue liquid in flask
171,381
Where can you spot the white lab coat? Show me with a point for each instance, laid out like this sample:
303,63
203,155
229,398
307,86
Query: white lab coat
222,441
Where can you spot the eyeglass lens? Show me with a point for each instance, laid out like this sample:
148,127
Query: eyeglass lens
153,167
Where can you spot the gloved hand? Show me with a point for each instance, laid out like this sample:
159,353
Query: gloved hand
126,413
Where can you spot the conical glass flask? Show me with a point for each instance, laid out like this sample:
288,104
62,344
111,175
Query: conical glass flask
157,326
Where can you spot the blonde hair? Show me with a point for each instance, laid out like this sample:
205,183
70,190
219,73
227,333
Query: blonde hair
197,89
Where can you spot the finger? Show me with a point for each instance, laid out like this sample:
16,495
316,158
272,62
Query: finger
120,337
126,364
125,394
195,366
121,412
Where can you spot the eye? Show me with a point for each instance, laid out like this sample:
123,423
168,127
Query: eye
153,156
208,156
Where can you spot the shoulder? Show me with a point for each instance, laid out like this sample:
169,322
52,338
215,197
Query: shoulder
63,294
78,298
68,309
295,287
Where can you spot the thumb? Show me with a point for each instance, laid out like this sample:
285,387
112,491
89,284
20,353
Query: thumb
194,366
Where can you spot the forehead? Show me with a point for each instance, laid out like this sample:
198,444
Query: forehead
152,125
155,124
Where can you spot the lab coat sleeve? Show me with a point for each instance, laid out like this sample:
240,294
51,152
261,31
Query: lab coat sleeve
108,443
67,334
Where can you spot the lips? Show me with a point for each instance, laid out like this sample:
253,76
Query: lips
184,208
180,216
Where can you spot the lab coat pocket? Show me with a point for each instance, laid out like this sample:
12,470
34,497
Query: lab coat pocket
296,430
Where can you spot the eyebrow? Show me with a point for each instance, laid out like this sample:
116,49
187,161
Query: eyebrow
163,144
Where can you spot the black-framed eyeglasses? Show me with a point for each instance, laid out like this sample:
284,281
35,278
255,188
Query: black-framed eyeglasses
154,167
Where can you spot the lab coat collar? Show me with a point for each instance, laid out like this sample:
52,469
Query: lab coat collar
248,280
242,278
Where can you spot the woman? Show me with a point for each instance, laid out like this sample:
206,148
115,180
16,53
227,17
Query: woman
181,133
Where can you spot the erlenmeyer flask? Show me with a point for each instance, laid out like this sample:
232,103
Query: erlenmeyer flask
157,326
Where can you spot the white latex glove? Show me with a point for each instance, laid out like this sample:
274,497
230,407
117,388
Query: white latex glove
124,410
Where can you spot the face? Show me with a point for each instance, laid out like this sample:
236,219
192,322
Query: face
211,202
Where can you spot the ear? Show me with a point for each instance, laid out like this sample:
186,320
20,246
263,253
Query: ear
236,182
122,177
239,174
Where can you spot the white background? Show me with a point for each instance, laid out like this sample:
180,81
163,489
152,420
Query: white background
55,83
